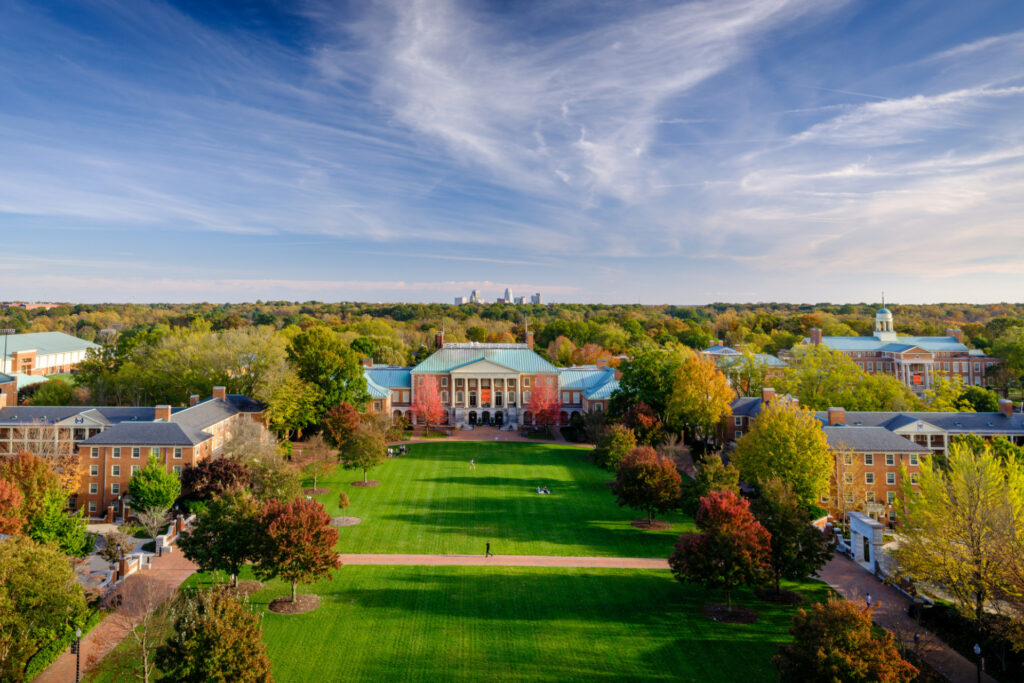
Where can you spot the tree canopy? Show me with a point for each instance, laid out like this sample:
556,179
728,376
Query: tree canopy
152,486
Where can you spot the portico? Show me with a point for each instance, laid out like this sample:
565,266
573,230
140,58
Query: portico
485,392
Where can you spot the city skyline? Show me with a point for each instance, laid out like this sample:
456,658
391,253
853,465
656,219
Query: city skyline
650,152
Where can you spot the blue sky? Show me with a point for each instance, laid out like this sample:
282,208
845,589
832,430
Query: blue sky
734,150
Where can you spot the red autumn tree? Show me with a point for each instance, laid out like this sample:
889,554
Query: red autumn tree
426,402
646,481
645,424
298,542
544,403
340,423
35,481
10,508
731,550
833,641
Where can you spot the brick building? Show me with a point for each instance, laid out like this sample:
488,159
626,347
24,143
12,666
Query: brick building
42,353
913,360
483,383
110,443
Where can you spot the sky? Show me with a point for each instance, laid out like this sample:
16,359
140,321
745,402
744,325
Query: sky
638,151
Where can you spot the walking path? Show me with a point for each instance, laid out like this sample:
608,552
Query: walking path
510,561
172,568
890,612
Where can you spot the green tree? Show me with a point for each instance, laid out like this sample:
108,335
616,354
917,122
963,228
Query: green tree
798,549
53,525
646,481
821,377
700,398
1010,346
786,442
946,394
292,404
747,373
152,486
955,526
713,474
980,399
297,542
55,392
614,444
648,378
224,537
40,602
322,358
364,450
216,639
834,641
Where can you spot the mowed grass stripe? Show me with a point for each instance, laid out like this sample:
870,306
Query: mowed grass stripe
430,501
518,623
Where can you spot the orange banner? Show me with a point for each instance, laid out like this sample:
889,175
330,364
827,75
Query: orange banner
485,395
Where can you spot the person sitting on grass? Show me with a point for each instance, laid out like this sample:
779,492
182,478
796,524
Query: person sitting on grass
546,490
539,490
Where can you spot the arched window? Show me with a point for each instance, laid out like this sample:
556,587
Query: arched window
444,397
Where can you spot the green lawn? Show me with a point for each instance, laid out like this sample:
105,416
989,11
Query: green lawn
430,501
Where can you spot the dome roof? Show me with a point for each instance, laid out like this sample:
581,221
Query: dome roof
884,312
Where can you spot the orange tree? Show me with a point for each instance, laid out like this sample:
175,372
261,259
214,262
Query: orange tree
298,542
833,641
646,481
731,550
544,403
426,404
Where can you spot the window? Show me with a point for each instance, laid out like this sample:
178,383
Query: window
458,381
135,468
739,433
177,470
869,458
848,477
526,397
115,470
511,384
444,396
497,399
460,397
94,488
849,497
511,398
117,451
444,381
890,497
848,458
94,470
95,453
376,405
92,506
566,397
869,497
177,453
526,381
977,367
871,366
913,458
472,399
890,478
869,477
135,452
890,459
913,478
738,421
115,488
823,499
154,452
598,407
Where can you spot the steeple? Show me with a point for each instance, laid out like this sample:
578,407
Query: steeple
884,329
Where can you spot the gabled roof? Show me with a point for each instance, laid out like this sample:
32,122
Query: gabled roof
209,412
719,350
956,423
148,434
763,358
595,383
45,343
390,376
870,439
375,390
4,379
518,357
49,415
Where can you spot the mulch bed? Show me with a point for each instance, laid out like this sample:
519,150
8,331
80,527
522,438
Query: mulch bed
305,602
245,588
366,484
783,597
319,491
656,525
738,615
345,521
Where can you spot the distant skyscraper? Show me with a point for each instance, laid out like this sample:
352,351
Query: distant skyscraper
474,297
459,300
520,300
536,299
508,295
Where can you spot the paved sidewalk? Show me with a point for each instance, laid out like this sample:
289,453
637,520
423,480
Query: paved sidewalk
510,561
890,612
172,568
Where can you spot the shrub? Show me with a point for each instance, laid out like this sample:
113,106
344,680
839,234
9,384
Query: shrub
343,500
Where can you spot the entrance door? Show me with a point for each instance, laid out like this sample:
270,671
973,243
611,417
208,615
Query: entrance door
486,417
472,417
499,418
867,548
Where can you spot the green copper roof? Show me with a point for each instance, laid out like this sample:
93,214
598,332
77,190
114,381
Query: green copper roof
45,343
518,357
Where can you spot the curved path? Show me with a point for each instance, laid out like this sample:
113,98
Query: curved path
510,561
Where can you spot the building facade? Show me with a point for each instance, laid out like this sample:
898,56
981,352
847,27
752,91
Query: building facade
490,384
915,361
42,353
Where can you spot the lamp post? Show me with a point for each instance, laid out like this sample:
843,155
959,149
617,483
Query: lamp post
76,647
977,653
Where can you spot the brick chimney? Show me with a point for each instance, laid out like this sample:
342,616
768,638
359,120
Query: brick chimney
529,339
601,363
439,340
3,400
193,399
162,413
767,394
836,416
815,335
221,393
955,333
1006,407
712,342
367,362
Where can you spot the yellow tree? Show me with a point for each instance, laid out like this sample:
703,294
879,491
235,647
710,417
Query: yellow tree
786,442
700,396
956,526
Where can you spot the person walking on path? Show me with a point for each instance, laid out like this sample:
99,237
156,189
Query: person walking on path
487,551
867,599
472,464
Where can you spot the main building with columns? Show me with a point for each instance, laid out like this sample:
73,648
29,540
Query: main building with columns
482,383
915,361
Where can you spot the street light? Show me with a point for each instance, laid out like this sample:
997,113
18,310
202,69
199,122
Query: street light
76,647
977,653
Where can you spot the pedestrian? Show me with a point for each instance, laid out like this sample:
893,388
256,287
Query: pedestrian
472,464
917,640
868,600
487,552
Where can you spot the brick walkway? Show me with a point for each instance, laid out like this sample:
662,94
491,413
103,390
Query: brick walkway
510,561
890,612
172,568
